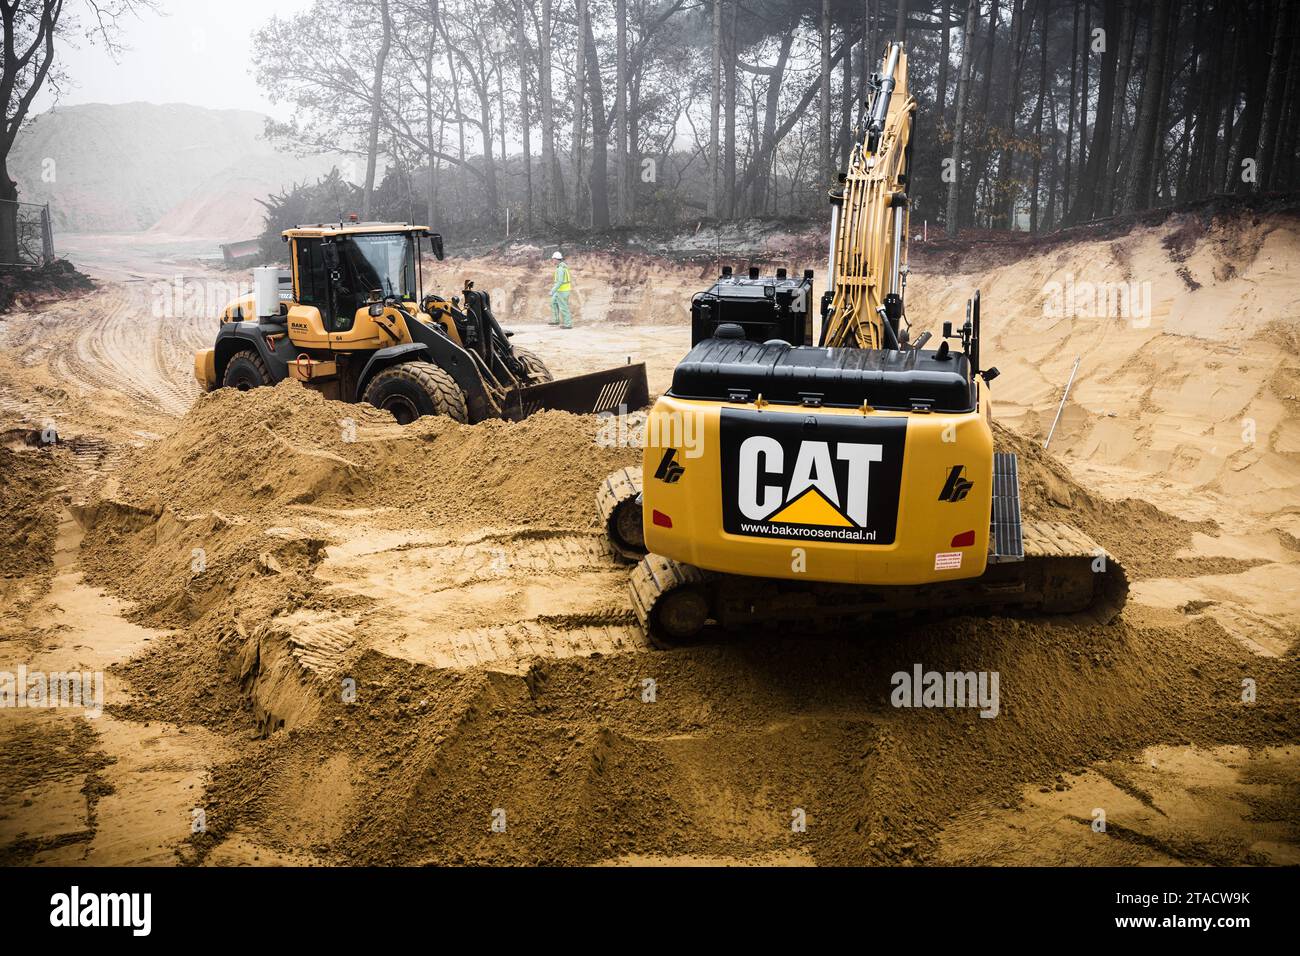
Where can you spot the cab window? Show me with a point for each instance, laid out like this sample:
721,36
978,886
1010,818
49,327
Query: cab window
313,280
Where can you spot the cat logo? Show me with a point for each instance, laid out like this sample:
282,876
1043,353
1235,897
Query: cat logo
956,487
669,471
811,477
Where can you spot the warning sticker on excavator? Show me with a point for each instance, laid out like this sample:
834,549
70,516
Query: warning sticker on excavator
811,477
947,561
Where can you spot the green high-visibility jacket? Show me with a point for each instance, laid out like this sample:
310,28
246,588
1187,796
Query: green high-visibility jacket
562,283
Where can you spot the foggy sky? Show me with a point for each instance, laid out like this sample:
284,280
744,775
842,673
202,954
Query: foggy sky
193,51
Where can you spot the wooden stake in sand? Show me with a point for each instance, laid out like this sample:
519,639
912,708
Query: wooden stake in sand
1060,408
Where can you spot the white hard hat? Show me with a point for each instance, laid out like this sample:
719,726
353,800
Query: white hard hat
557,254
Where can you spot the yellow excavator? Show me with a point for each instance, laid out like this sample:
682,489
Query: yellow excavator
351,319
787,482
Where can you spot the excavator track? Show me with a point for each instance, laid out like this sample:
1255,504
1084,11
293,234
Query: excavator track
619,502
672,600
1069,573
1064,573
1034,567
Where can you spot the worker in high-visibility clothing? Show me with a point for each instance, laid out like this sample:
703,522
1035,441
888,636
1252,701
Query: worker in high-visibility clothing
560,289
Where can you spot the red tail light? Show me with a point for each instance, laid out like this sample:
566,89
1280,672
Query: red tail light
663,521
963,540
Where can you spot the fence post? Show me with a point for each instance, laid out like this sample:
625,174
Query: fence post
47,235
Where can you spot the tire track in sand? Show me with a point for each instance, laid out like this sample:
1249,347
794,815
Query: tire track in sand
495,598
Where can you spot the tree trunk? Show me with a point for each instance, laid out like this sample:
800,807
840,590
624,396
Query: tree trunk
900,25
489,162
1054,176
864,68
979,162
579,114
1067,202
1128,26
552,182
1246,145
376,104
761,164
844,139
521,42
599,177
715,106
729,111
1089,203
1207,119
1020,31
432,180
1159,169
963,88
1038,126
1284,158
8,214
1086,52
1229,82
941,98
1145,128
622,183
1273,95
824,118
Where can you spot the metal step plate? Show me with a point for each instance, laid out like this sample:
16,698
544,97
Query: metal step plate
1006,540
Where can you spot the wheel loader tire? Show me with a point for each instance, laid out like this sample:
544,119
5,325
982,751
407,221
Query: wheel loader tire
536,368
246,370
413,389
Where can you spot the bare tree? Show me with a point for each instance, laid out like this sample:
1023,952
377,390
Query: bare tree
959,123
715,106
376,101
1145,128
31,28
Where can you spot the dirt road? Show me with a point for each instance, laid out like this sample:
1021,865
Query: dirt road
375,644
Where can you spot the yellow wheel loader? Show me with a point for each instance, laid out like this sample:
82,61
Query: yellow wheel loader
350,319
787,482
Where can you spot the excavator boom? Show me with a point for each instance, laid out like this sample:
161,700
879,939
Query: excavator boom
869,218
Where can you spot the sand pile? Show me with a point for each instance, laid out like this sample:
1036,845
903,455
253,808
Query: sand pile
1188,368
584,770
29,513
262,451
256,485
1143,537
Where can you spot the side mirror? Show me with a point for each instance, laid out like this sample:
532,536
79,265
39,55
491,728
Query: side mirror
435,245
330,253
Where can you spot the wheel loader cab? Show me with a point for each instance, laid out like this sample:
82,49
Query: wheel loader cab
340,275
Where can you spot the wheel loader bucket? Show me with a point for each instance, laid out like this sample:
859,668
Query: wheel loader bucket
589,394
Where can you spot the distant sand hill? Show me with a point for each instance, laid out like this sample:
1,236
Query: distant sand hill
175,169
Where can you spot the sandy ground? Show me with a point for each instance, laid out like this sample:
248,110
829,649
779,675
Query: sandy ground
328,639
